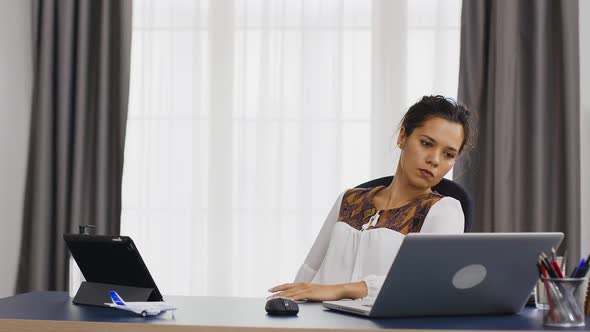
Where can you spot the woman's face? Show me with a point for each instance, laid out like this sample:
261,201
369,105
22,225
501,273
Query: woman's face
430,151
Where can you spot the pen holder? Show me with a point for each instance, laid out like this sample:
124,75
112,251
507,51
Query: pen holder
566,301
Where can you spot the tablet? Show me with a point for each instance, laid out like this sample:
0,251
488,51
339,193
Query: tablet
112,260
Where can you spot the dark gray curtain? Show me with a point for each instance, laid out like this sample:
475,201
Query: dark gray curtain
520,71
81,54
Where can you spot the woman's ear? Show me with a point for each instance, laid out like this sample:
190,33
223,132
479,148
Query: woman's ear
401,138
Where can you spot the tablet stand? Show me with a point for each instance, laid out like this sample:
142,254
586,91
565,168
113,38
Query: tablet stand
97,294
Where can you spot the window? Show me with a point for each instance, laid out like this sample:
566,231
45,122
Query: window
247,118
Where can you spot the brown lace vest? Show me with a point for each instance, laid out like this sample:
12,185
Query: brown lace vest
357,208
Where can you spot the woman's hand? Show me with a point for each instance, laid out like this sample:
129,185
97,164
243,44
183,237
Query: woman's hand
317,292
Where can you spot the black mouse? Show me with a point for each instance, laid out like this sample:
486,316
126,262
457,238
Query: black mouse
281,306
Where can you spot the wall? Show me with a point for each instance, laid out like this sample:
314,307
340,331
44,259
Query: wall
15,96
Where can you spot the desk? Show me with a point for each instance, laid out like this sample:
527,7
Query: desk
44,311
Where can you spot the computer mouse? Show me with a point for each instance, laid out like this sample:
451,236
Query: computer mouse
281,307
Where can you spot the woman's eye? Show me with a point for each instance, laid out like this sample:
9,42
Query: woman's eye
426,143
450,156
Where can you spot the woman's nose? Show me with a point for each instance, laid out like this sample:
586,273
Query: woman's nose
433,159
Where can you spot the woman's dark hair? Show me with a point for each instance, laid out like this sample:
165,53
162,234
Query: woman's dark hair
440,107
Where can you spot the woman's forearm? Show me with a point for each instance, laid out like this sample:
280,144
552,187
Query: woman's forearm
354,290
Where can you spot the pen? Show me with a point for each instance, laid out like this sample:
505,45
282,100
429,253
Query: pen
542,270
548,267
582,272
557,269
580,266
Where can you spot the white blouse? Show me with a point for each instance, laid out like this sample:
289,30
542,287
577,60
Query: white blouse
343,254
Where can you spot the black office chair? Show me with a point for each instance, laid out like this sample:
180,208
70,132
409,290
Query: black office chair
445,187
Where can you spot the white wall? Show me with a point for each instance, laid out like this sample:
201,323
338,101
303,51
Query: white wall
585,122
15,96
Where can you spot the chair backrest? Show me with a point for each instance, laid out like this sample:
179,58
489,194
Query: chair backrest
445,187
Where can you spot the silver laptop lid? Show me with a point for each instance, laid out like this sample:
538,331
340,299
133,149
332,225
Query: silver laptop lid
472,273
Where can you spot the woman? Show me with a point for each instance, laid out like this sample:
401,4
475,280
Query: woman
365,228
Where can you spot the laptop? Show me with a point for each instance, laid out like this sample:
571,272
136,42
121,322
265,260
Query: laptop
457,274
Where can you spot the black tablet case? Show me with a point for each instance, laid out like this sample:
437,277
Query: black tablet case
110,263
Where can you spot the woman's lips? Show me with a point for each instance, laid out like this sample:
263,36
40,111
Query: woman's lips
426,172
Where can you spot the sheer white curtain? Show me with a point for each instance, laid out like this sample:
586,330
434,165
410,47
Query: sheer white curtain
248,117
